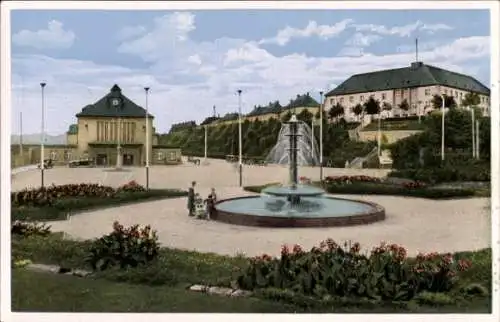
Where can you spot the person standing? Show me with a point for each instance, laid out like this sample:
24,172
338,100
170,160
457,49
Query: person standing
211,200
191,197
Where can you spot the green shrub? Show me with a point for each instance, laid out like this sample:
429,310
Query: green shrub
124,247
26,229
398,190
387,274
472,172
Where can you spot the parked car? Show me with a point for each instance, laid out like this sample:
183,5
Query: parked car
47,164
81,163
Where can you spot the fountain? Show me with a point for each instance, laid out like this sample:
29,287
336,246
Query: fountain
307,147
295,205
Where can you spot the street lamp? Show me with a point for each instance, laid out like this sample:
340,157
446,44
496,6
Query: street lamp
240,167
379,134
312,138
442,126
321,137
42,143
118,145
473,130
206,144
146,90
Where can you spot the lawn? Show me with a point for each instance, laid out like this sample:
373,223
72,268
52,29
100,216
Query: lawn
162,285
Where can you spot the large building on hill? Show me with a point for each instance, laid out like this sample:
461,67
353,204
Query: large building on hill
417,84
112,121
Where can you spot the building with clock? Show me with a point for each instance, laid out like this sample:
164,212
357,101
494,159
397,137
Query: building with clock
113,123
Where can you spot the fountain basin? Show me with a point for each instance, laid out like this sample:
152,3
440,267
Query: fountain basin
252,211
300,190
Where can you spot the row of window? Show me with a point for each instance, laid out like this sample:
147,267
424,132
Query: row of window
109,131
401,92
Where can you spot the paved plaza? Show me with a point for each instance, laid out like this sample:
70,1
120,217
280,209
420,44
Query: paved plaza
419,224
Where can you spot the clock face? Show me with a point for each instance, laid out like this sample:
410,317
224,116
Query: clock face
115,102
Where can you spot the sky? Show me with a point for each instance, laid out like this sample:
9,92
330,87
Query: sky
193,60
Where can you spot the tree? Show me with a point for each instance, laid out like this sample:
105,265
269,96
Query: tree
386,106
404,105
372,106
336,111
449,101
358,110
471,99
305,116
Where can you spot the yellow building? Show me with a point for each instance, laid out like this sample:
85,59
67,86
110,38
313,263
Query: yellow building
113,122
416,84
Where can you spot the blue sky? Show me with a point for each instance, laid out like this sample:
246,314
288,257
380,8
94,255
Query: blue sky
193,60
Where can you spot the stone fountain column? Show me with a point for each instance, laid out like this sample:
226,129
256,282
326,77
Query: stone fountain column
292,164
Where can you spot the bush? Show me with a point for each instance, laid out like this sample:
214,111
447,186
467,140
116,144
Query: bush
331,270
408,190
471,172
124,247
57,202
47,196
350,179
26,229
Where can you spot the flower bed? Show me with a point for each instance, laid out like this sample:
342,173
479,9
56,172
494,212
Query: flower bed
334,271
55,202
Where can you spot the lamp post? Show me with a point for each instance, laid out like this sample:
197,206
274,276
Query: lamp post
146,91
240,158
477,140
21,136
206,144
42,143
473,121
321,137
379,135
442,126
118,145
312,138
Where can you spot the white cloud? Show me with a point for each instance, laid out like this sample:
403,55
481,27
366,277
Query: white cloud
431,28
195,59
351,51
187,78
130,32
401,31
54,37
361,40
312,29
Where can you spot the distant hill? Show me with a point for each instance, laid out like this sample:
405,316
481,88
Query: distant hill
35,139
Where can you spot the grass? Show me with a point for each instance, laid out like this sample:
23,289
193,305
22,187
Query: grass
161,286
396,125
61,293
64,206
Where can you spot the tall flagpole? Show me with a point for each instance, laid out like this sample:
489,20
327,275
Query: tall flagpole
146,90
42,143
240,139
321,138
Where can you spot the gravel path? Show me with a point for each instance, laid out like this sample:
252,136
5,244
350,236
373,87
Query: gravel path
419,224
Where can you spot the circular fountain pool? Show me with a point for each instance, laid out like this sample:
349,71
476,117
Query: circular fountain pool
303,206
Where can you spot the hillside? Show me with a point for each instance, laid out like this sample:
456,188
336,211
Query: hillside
259,137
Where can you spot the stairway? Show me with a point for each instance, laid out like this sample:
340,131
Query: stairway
358,162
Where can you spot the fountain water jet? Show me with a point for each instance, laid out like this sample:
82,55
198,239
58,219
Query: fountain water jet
307,147
295,205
